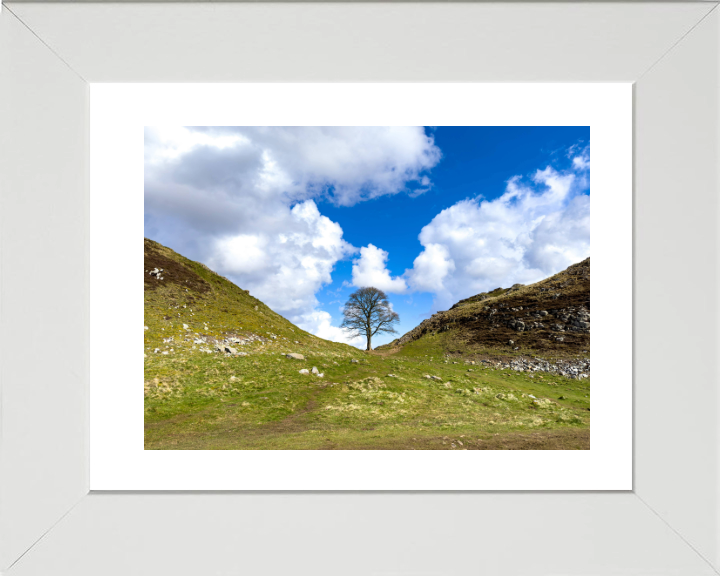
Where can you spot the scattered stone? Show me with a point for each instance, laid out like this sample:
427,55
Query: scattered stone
353,361
295,356
304,371
320,375
315,370
146,327
256,307
542,402
392,376
186,327
511,342
157,350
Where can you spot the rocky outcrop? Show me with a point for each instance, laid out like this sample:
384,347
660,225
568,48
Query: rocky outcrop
551,314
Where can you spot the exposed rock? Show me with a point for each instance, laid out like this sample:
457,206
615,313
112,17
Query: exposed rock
226,349
542,402
295,356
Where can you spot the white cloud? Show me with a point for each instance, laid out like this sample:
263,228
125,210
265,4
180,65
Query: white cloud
241,199
580,156
319,323
533,230
370,270
286,260
431,268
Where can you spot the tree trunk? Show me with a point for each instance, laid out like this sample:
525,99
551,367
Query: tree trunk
369,337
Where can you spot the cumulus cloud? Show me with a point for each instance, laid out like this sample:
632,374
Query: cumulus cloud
319,322
242,200
370,270
537,227
287,261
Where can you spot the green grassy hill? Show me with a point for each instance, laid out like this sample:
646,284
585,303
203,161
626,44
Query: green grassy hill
217,376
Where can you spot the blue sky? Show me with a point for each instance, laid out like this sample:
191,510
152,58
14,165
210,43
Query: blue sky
303,216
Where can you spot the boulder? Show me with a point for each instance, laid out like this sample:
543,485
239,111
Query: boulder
226,349
295,356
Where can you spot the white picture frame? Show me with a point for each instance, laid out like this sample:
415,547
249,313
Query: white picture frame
120,112
49,523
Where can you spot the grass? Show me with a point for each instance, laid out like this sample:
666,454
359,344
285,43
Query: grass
260,401
200,400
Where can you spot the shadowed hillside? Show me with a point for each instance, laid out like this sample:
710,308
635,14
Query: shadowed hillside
550,317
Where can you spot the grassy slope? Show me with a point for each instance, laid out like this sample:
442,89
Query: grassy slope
198,400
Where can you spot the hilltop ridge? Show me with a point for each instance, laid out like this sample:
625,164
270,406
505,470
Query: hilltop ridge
552,315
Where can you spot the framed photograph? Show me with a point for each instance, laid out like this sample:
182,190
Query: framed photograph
233,387
247,141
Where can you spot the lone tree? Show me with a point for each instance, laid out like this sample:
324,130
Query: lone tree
368,312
